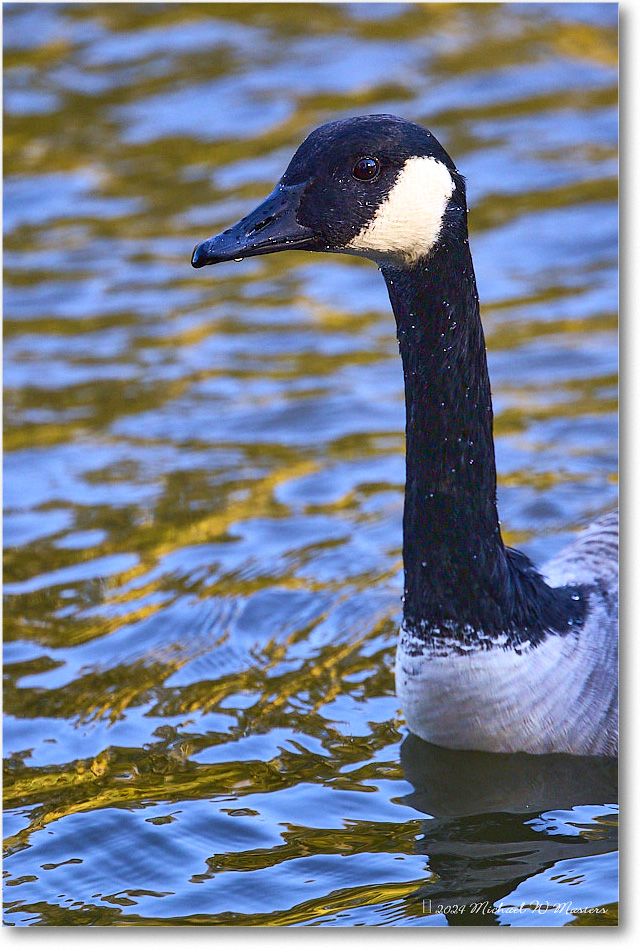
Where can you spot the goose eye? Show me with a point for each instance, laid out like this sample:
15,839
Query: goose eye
365,169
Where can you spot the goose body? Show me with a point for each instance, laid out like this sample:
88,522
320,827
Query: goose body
493,655
558,694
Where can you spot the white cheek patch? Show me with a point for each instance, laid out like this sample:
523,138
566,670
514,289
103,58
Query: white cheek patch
407,224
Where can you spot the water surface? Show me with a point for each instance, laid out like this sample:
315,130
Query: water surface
204,471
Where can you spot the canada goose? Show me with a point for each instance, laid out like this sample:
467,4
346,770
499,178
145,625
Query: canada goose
492,655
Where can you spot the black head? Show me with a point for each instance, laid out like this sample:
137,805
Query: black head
377,186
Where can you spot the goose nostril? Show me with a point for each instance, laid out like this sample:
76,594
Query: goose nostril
261,226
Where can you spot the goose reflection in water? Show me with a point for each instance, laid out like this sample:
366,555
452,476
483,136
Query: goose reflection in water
491,827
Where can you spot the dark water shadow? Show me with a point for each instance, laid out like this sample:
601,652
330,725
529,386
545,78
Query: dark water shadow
481,838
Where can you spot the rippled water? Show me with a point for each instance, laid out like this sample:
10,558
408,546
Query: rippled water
203,475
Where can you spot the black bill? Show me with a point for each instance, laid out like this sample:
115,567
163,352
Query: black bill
270,227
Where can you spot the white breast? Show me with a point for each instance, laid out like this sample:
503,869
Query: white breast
557,696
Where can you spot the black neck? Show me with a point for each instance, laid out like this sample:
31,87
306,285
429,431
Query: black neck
457,571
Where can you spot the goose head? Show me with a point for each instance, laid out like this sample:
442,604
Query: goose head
376,186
